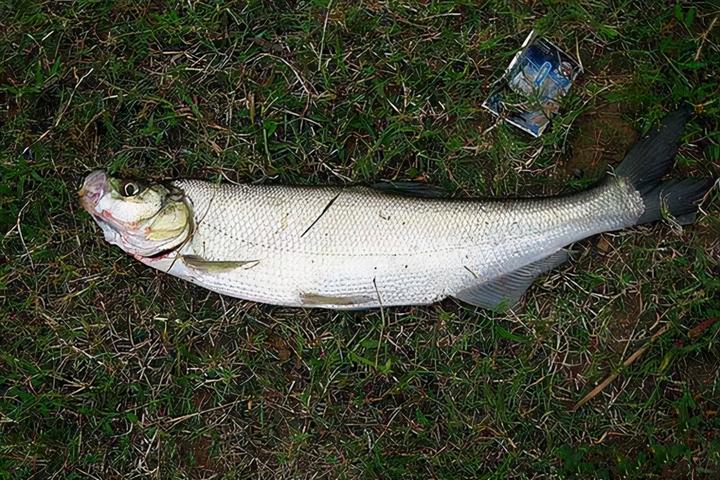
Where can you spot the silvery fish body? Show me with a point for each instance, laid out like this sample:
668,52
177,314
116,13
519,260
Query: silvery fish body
358,247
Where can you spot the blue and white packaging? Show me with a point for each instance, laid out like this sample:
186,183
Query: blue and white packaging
529,92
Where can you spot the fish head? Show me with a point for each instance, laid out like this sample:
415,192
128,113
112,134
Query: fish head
143,219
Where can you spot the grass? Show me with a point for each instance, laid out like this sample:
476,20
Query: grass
111,370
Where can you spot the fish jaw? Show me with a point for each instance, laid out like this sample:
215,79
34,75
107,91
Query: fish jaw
93,189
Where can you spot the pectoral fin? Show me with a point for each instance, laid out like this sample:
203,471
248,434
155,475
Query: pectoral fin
506,290
198,263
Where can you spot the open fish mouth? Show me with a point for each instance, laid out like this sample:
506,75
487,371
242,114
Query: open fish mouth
92,190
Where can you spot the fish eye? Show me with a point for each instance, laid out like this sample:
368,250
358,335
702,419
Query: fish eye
130,189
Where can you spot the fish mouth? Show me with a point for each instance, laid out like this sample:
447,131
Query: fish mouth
95,186
92,190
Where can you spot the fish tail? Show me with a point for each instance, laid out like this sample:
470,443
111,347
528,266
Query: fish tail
650,159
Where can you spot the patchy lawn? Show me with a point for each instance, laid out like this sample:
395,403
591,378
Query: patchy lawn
109,369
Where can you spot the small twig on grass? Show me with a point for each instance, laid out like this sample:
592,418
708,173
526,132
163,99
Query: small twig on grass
703,38
20,235
629,361
307,86
176,420
694,333
322,38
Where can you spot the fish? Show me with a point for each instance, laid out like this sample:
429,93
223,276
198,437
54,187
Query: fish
359,247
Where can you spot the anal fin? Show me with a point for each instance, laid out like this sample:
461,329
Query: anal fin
507,289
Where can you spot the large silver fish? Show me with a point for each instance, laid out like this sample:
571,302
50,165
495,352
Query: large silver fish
358,247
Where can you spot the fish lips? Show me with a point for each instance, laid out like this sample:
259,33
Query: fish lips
92,190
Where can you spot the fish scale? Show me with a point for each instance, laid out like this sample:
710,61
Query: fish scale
370,248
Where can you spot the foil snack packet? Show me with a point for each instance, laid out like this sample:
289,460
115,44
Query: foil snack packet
529,92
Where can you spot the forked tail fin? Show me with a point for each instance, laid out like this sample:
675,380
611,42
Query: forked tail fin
650,159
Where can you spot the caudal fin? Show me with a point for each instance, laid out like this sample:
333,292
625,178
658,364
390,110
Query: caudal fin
650,159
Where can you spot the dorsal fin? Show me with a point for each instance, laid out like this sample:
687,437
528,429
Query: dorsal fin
410,189
506,290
